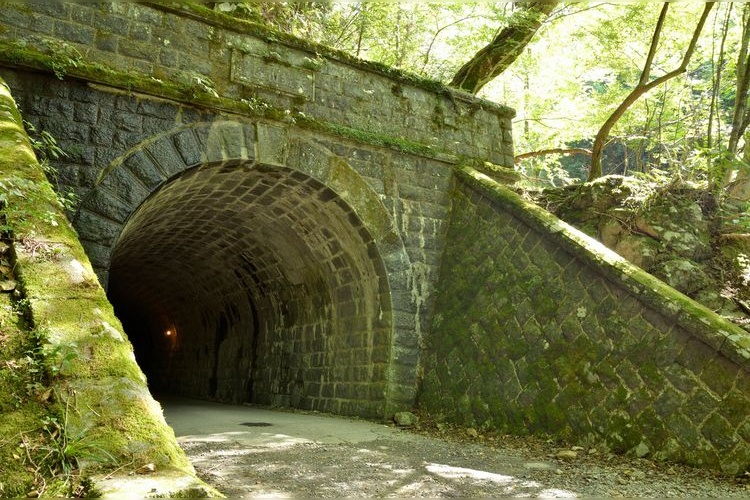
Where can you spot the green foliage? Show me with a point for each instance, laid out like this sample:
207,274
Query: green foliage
22,203
47,150
544,171
64,453
428,39
44,144
61,57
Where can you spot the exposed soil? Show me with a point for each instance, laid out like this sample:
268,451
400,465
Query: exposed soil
442,462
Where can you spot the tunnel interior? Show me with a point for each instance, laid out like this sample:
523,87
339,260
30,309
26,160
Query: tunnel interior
248,283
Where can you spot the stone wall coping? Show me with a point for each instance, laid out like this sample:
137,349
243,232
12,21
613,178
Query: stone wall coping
224,21
29,57
192,54
69,308
704,324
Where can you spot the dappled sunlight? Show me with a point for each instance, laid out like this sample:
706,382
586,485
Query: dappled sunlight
450,472
556,493
342,471
743,262
263,439
510,485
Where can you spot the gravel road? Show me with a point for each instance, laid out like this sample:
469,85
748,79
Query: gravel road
249,452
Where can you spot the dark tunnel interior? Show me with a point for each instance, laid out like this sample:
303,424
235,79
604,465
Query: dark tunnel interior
245,283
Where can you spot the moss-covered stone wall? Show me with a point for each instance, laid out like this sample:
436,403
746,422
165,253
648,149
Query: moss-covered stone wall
540,329
90,384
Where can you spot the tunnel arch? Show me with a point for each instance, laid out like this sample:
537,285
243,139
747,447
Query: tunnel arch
251,264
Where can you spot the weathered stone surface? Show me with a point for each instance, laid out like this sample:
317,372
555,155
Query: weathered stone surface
219,59
566,454
682,274
405,419
7,285
664,231
532,334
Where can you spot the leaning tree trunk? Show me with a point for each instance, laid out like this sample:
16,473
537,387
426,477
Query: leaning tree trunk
495,57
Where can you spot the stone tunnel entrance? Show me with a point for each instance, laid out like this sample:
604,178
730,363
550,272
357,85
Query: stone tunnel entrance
242,282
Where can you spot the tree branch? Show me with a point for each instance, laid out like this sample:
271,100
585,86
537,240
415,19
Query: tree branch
544,152
426,57
638,91
500,53
646,73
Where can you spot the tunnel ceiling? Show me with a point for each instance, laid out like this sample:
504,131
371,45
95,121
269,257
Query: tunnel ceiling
270,286
216,232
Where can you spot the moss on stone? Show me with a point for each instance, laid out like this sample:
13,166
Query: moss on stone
192,93
694,317
101,401
21,413
271,35
16,480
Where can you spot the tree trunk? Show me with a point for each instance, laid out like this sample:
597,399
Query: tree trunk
495,57
740,113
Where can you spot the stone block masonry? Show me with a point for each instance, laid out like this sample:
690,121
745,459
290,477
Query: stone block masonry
95,389
195,46
538,329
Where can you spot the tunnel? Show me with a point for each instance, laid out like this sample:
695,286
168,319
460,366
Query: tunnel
246,283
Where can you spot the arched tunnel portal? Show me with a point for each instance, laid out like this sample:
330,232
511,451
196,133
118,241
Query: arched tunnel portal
239,281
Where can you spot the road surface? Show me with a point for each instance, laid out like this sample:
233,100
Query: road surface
250,452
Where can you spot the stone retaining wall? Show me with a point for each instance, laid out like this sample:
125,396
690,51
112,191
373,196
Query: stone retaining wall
540,329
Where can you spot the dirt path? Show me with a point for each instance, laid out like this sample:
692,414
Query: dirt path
248,452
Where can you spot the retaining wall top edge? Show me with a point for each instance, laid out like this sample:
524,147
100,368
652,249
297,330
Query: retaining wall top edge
714,330
58,289
107,80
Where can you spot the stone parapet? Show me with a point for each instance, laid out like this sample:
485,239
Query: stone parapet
225,58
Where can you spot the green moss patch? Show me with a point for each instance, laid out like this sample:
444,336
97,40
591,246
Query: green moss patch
71,387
